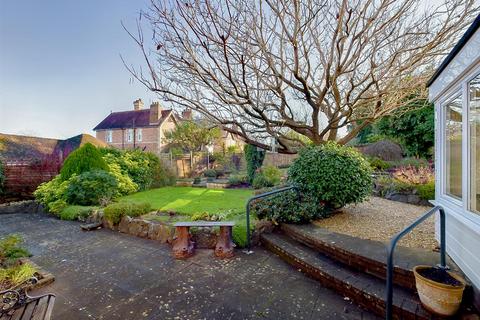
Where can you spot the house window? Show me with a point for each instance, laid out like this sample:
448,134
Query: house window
139,135
129,134
474,120
453,147
109,135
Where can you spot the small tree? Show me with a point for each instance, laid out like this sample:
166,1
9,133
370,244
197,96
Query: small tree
191,137
85,158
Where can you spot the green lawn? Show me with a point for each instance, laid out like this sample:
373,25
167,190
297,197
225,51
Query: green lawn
188,200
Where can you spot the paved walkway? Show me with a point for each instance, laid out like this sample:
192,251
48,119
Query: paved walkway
108,275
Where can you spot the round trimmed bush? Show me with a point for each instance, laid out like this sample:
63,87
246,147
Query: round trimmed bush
335,175
85,158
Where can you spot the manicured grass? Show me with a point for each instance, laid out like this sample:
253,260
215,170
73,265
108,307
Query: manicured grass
188,200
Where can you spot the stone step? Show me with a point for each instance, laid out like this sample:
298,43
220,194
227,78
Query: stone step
364,289
367,256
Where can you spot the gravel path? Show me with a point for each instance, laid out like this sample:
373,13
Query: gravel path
380,219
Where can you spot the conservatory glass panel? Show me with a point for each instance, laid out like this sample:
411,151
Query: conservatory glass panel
474,105
453,147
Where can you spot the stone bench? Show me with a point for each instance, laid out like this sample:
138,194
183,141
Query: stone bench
184,247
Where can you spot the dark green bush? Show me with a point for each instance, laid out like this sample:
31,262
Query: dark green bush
426,191
162,176
335,175
144,168
116,211
289,208
197,180
254,158
89,188
85,158
210,173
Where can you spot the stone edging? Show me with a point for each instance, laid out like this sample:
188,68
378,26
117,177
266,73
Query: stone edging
27,206
45,278
204,238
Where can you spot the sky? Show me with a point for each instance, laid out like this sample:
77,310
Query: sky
60,66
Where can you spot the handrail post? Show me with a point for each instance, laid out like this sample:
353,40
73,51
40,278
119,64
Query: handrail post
248,227
443,245
393,244
259,196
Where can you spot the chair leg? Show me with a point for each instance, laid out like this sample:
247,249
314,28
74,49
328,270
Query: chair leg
224,247
183,246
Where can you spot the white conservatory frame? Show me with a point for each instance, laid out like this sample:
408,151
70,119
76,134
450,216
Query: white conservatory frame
462,225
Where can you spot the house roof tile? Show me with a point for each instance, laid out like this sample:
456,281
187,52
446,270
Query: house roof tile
130,119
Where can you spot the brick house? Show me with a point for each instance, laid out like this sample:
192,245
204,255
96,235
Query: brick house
139,128
145,129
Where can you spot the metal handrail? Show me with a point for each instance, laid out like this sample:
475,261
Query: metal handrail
391,249
259,196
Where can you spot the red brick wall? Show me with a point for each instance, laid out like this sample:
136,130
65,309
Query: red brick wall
23,177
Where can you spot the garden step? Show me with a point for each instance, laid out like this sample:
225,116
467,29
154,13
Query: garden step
365,255
363,289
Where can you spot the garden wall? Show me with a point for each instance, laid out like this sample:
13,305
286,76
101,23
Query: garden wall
22,177
279,159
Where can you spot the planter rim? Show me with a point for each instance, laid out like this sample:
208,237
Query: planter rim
440,285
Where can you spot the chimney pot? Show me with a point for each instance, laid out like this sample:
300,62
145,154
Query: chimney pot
138,104
187,114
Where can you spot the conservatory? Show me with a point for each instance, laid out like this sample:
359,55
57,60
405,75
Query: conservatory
455,91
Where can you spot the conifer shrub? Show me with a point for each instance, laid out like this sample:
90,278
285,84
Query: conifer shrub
85,158
254,158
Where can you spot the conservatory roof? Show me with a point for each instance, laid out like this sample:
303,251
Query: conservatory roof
466,36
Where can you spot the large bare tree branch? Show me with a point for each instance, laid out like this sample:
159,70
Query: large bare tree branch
262,69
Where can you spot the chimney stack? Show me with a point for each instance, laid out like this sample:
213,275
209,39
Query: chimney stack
138,104
187,114
155,112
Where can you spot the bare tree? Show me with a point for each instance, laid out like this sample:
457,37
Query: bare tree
265,68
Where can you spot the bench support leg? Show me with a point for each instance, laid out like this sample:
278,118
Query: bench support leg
182,244
224,247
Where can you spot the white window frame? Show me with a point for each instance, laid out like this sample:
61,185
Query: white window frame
443,110
129,135
139,135
109,136
463,211
475,73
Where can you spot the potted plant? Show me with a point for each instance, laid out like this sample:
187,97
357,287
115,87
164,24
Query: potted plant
440,291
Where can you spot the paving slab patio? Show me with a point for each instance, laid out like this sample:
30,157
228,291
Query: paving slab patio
108,275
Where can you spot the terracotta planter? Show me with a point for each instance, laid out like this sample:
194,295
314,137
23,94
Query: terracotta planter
436,297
